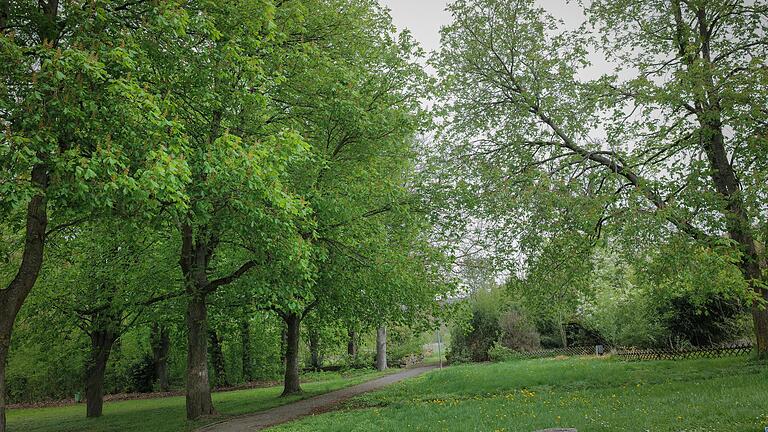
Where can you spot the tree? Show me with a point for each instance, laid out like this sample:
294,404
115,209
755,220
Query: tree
215,82
103,277
353,93
72,102
161,344
245,341
381,348
668,143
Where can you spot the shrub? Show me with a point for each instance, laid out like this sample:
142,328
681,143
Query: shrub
403,343
484,330
500,353
142,374
517,333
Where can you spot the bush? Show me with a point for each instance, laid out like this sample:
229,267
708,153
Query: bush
473,345
403,344
517,333
142,374
500,353
714,321
458,353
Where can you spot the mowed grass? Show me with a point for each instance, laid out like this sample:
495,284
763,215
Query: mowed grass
589,394
168,414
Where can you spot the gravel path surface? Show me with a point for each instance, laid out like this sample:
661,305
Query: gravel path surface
302,408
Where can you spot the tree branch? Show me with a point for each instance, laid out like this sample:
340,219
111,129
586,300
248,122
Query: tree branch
214,284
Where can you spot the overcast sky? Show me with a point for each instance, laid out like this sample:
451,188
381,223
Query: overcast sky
425,17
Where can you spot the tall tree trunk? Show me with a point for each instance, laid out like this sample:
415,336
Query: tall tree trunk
3,358
13,296
563,333
217,360
245,340
316,361
352,344
283,343
194,260
381,348
101,346
760,318
198,395
709,115
292,384
737,221
197,248
161,343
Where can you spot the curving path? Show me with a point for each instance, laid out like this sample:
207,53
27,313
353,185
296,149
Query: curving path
303,408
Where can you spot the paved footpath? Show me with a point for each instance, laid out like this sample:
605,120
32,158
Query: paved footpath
303,408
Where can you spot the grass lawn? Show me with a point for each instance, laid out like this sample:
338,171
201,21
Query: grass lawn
590,394
168,414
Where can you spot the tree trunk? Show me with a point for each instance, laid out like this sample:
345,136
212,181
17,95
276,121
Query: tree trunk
194,260
101,346
283,343
198,388
13,297
3,356
352,344
217,360
160,341
316,361
245,340
760,318
381,348
737,222
563,333
709,115
292,384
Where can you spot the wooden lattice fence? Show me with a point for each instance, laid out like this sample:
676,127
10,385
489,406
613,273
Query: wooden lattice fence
673,354
554,352
644,354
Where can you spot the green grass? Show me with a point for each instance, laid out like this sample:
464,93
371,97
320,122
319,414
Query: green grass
586,393
168,414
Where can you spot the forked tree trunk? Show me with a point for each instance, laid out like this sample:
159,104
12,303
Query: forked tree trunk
381,348
14,295
217,360
292,384
101,346
194,261
198,393
161,344
245,340
316,361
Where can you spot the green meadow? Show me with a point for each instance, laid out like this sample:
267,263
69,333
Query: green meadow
589,394
168,414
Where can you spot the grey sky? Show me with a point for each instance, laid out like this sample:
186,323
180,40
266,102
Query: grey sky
425,17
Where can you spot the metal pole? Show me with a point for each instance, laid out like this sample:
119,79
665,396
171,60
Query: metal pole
439,351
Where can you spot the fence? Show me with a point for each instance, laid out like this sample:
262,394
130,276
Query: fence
554,352
672,354
644,354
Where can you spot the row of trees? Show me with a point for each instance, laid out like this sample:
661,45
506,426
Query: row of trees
664,161
250,155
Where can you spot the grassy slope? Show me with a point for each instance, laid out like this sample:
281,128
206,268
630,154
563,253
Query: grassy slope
167,414
589,394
